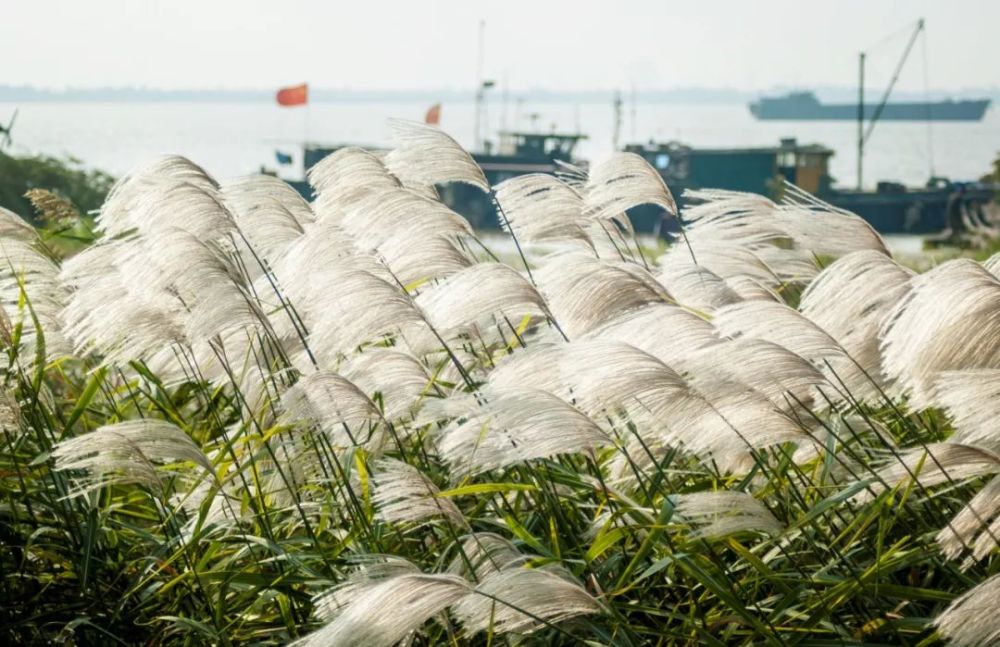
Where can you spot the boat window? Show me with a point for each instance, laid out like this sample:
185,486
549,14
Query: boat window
661,161
786,158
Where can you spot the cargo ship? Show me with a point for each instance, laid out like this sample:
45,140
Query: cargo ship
806,106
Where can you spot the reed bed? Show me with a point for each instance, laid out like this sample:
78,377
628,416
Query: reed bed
239,417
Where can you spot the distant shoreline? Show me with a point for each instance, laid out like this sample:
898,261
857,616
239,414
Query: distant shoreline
702,96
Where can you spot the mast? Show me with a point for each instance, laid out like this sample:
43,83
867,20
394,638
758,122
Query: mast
863,135
503,110
477,136
861,117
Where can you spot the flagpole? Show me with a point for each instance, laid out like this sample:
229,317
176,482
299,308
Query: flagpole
305,136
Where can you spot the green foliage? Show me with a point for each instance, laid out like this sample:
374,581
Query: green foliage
115,566
84,188
994,175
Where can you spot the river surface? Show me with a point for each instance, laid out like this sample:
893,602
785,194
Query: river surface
231,139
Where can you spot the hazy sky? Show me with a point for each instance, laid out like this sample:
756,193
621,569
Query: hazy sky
418,44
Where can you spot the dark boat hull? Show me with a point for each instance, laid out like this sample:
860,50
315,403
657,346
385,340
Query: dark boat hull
938,111
913,211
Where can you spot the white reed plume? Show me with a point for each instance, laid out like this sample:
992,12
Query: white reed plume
416,261
737,236
750,289
669,333
213,505
514,425
992,265
196,275
161,203
778,324
934,464
522,600
949,320
697,287
402,494
12,226
395,378
112,316
323,248
726,260
972,399
849,300
131,193
374,218
753,220
344,309
425,156
369,569
786,379
384,611
345,176
623,181
335,405
787,238
734,422
744,219
414,235
485,553
599,376
584,291
827,231
271,214
975,527
710,416
477,295
971,619
31,294
250,194
540,208
723,513
127,452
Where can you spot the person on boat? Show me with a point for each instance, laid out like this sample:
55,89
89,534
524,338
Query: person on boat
954,210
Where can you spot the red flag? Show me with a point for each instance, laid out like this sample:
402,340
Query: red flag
295,95
433,115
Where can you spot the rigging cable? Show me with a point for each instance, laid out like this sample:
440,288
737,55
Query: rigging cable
927,103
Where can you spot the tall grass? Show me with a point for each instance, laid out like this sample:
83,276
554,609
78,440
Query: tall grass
242,418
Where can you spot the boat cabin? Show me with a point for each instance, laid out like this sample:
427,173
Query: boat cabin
518,153
541,145
753,170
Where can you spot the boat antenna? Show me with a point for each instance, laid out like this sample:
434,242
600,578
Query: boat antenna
617,132
634,102
863,138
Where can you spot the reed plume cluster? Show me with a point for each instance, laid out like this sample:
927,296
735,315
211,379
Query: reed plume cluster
240,417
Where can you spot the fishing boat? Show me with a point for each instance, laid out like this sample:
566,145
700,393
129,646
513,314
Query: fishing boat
891,208
516,153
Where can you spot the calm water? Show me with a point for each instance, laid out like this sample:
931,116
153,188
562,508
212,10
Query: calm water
232,139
